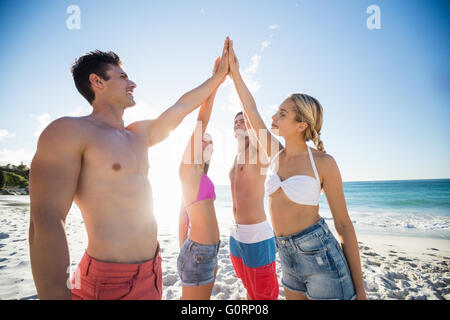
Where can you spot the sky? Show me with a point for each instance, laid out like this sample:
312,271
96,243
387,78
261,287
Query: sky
385,92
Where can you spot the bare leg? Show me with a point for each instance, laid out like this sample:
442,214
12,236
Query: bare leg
292,295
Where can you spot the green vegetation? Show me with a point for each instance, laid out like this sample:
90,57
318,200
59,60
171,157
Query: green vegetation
12,176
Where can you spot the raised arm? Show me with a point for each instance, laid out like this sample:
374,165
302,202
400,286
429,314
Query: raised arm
251,132
261,156
191,154
267,141
159,129
332,186
53,182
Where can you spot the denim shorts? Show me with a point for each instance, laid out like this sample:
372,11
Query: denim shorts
313,262
197,262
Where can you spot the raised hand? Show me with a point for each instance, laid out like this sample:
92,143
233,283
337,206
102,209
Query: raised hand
232,60
216,68
223,64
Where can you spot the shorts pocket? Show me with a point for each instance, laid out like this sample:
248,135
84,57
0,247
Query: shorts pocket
311,245
82,288
114,290
312,256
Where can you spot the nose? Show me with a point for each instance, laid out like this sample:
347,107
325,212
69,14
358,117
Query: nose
133,85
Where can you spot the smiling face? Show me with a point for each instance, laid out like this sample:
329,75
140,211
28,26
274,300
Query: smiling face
285,120
118,89
240,127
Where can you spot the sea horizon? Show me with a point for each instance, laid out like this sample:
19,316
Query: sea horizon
427,179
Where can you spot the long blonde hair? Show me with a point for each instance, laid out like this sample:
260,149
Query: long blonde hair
309,110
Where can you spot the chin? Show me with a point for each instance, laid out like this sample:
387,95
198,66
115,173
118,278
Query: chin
240,133
130,104
276,131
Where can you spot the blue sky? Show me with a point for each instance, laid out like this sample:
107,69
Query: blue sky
384,92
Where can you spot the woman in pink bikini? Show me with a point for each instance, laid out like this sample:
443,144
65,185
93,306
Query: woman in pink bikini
198,227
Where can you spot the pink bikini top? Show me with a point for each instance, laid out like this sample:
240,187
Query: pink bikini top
206,191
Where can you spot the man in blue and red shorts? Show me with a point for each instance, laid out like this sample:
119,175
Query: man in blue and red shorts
252,243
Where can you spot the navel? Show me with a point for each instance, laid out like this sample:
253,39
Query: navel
116,167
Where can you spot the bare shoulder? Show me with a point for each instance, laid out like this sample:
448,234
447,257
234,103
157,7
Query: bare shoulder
67,124
63,133
141,126
325,162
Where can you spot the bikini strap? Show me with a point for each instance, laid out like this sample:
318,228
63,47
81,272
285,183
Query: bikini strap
273,159
313,164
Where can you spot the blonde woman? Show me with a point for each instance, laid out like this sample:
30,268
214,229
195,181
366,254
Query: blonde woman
314,264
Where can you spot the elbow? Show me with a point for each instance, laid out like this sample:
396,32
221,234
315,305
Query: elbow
343,227
45,222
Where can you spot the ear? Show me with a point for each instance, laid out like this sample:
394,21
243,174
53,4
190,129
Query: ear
302,126
96,81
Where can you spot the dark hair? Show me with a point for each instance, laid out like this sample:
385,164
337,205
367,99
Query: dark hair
238,114
92,62
206,167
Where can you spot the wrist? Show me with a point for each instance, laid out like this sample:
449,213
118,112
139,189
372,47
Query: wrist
361,293
235,74
217,78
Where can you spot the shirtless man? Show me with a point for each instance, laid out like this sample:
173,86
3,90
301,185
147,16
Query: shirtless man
252,245
102,166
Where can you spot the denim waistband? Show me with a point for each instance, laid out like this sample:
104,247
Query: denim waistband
317,228
205,248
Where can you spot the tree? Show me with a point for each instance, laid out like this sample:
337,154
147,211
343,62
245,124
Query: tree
2,180
12,179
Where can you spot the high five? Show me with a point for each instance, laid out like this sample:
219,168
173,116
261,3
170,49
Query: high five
314,264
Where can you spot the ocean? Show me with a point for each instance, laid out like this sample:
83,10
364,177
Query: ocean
418,208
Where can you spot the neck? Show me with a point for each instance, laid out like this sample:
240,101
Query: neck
108,114
243,144
295,147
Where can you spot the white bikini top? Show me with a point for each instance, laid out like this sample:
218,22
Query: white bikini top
300,189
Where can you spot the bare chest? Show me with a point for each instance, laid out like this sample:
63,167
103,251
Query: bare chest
244,175
112,154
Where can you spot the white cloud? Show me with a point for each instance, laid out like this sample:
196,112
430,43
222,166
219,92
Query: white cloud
264,44
234,102
43,121
273,26
254,64
4,134
15,156
80,111
252,85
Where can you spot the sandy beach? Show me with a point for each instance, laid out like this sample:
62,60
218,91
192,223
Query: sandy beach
394,268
